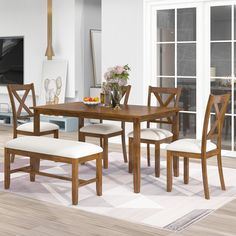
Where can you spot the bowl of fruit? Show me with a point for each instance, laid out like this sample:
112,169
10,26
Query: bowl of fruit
91,101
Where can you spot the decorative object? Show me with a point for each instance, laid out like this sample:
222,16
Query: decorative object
53,85
95,39
49,51
90,101
116,77
105,95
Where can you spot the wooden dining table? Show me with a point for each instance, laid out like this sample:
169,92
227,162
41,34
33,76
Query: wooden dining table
128,113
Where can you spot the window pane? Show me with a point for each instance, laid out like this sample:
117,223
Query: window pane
166,59
221,23
235,133
165,25
187,125
186,24
166,82
186,59
222,86
188,94
221,58
226,132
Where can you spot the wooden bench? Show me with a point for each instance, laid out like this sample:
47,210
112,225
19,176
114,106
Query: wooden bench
58,150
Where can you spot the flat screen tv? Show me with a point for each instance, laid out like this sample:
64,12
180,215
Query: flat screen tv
11,60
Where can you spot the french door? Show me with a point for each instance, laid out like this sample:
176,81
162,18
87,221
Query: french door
193,46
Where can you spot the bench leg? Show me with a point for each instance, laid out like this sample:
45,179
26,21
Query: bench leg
32,167
7,165
75,181
99,175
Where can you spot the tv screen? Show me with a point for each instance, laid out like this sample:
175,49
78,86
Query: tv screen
11,60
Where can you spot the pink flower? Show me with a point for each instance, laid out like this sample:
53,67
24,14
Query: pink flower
119,70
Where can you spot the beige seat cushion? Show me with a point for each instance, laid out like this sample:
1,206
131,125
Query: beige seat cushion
101,129
189,145
153,134
52,146
44,126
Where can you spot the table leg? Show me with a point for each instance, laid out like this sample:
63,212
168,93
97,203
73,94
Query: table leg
36,133
81,124
175,137
136,156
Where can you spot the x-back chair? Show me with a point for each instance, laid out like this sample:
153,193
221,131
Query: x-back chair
202,149
105,131
21,112
166,97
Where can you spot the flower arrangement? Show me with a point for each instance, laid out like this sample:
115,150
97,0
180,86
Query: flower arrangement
116,77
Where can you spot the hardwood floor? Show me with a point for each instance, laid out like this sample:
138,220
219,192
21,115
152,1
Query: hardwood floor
24,216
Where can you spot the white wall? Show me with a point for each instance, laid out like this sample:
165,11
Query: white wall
122,41
29,19
26,18
92,20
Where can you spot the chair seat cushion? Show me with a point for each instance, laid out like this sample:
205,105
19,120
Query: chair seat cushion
44,126
153,134
101,129
52,146
189,145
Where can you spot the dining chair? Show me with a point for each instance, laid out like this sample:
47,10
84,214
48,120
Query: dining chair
22,113
165,97
202,149
105,131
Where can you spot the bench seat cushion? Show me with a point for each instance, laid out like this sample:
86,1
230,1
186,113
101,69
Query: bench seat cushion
55,147
103,129
44,126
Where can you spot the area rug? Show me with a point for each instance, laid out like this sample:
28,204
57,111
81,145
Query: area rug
154,207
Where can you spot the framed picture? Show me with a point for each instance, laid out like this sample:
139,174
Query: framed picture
53,85
95,38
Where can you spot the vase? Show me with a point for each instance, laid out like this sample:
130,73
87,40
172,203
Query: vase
116,95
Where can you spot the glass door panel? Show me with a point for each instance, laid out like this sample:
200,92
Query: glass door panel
176,60
223,65
221,23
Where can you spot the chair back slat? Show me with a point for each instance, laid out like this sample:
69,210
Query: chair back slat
166,97
125,93
20,110
217,104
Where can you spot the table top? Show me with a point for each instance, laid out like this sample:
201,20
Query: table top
127,112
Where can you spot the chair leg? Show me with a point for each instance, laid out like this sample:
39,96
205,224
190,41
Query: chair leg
12,158
169,171
7,166
157,160
124,147
99,175
204,177
101,142
32,165
105,153
56,134
130,155
75,181
220,169
186,170
148,155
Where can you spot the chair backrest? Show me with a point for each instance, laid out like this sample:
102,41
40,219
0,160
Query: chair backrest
125,93
217,104
18,95
166,97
